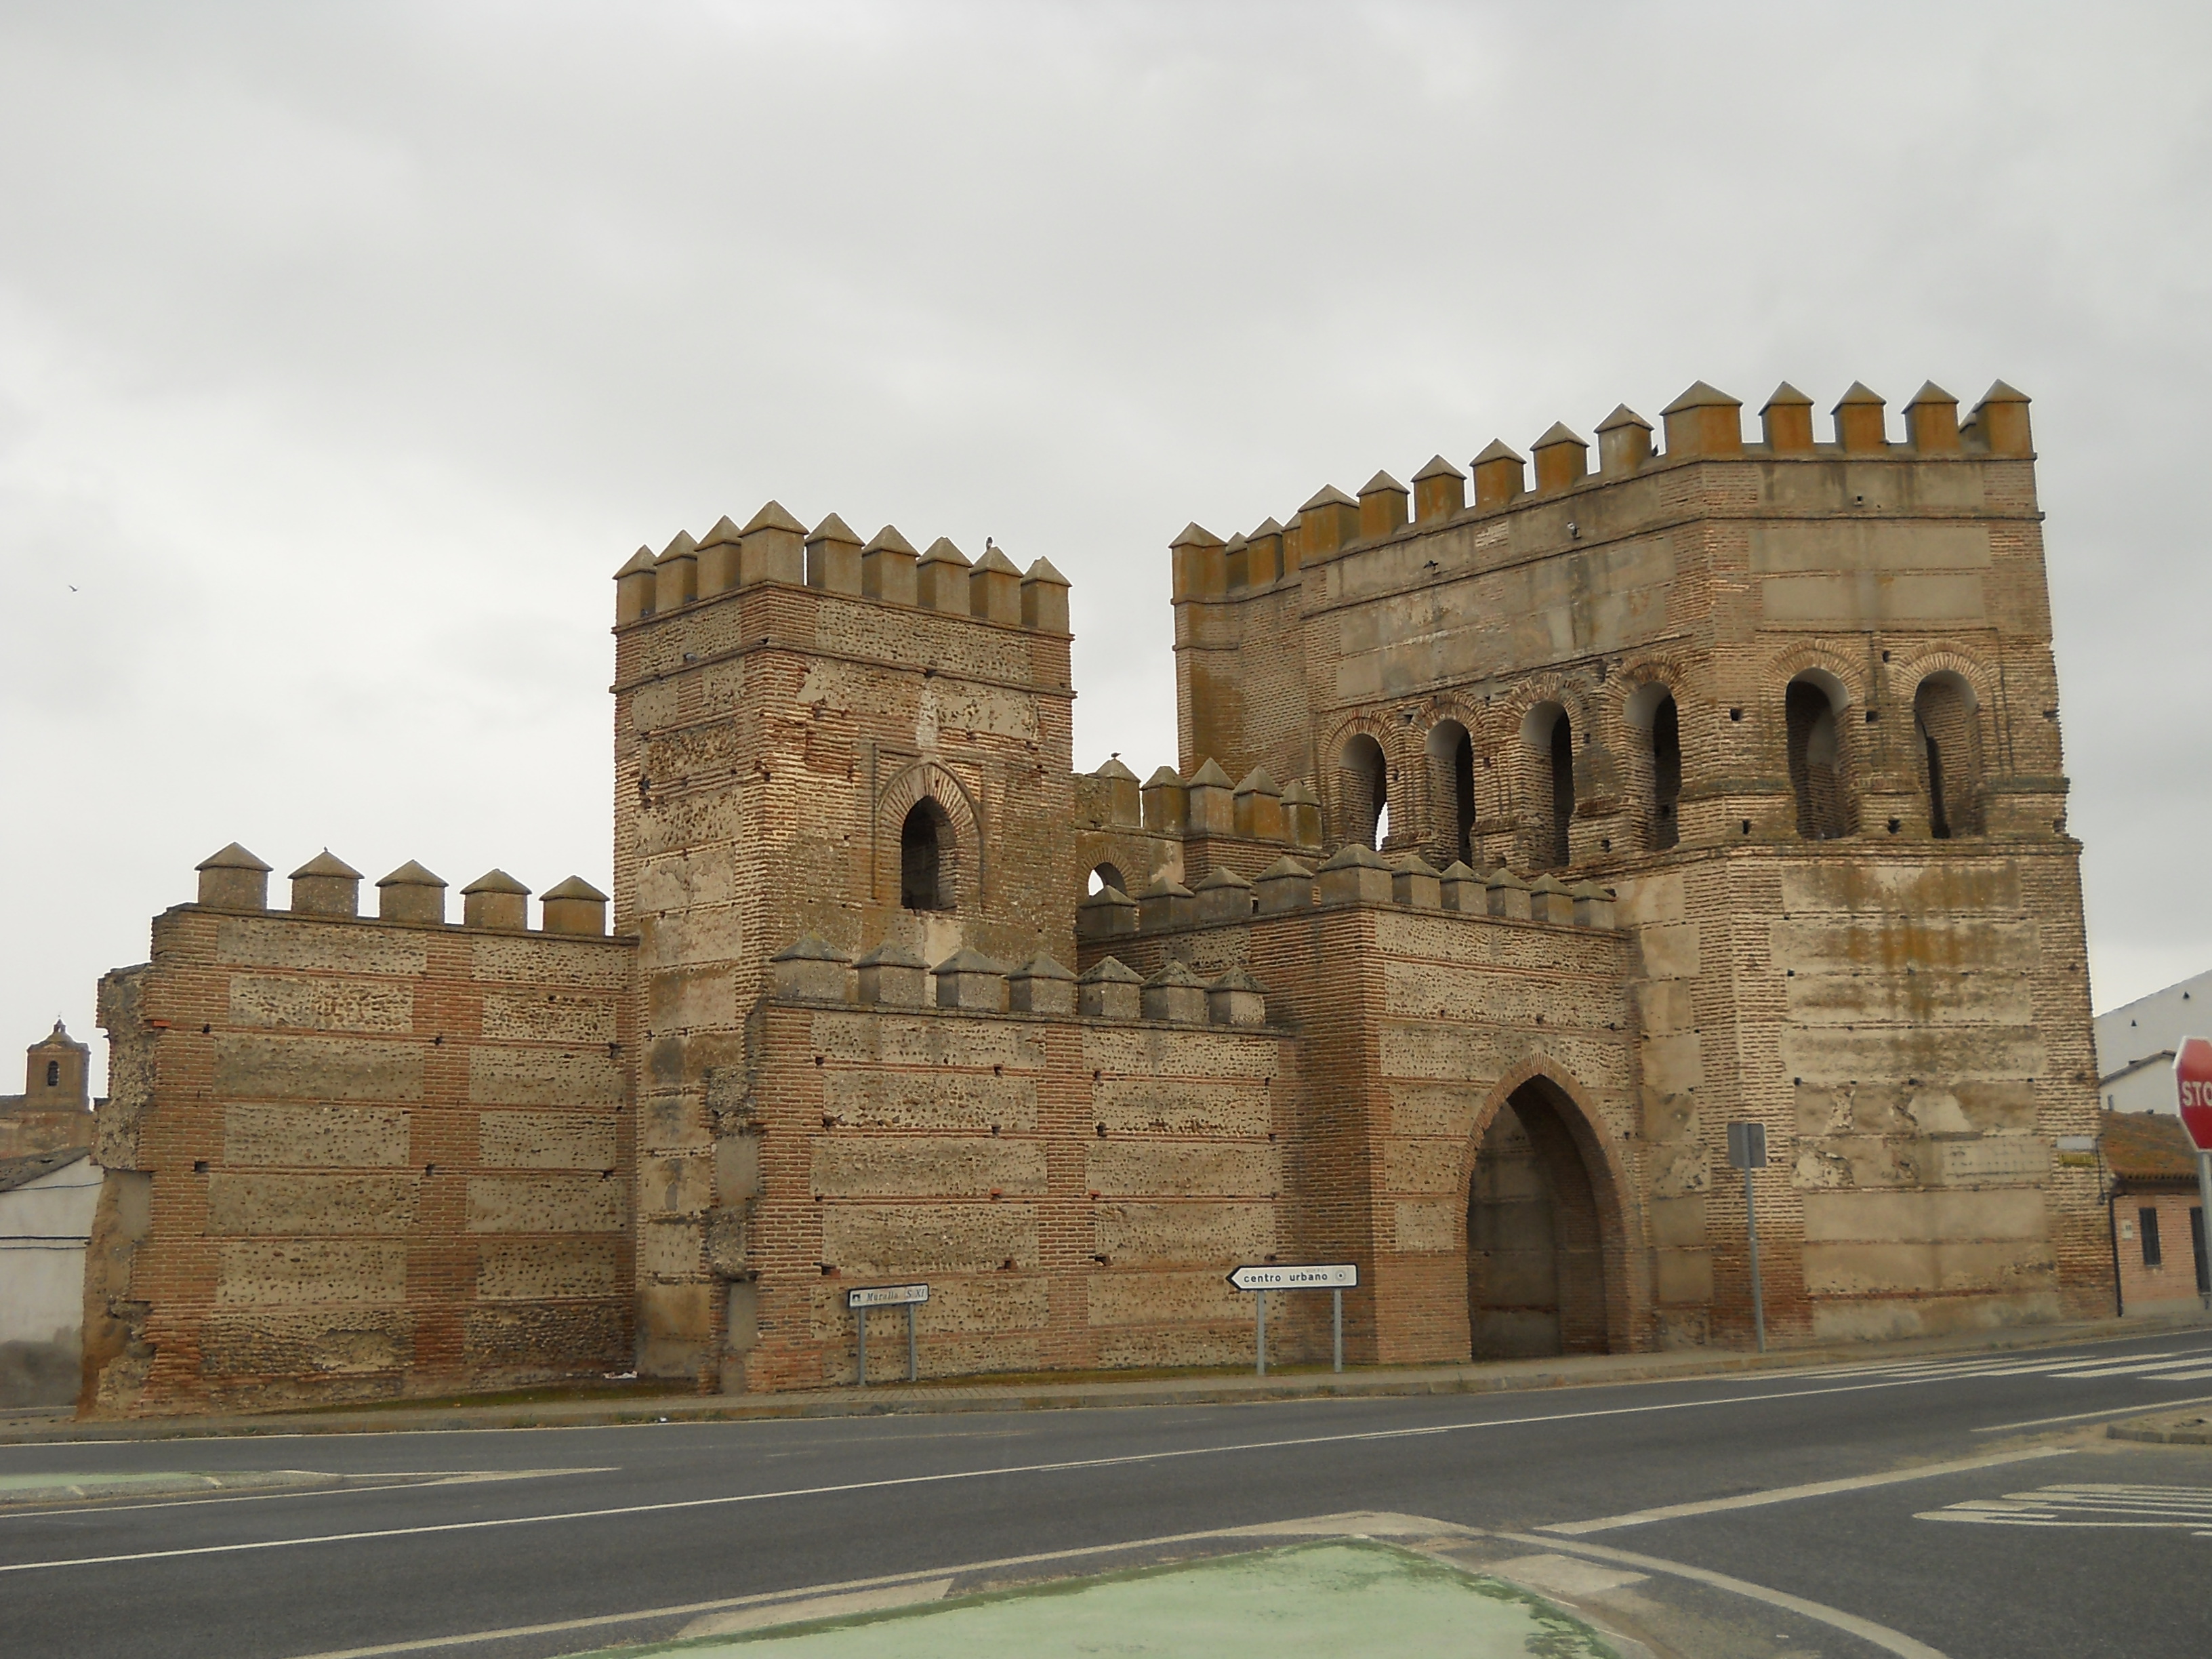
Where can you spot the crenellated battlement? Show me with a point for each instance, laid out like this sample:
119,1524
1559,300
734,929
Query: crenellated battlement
774,547
327,887
1703,424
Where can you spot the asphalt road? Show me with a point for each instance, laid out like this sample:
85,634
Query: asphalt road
488,1531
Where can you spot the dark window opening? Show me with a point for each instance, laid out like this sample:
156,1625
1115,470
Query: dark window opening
1561,852
924,841
53,1074
1451,774
1944,728
1365,786
1816,772
2146,1232
1105,876
1666,774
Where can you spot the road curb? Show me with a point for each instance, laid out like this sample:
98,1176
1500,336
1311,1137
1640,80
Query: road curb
982,1395
2182,1428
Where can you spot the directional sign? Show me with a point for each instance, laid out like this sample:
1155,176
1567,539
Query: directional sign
887,1295
2192,1081
1332,1276
1746,1145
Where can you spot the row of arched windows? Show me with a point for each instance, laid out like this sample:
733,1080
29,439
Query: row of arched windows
1946,745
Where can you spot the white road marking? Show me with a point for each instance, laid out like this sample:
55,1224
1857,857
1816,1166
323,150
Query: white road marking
390,1480
2135,1369
2135,1410
1790,1494
1060,1467
2099,1505
1880,1636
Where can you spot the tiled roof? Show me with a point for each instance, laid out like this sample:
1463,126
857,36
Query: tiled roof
2147,1146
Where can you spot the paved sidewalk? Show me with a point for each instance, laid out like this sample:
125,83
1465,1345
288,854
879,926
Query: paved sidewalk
984,1394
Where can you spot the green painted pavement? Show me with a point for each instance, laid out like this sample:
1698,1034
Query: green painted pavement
1313,1602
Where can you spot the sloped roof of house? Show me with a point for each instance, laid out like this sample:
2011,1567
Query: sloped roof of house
2147,1146
22,1171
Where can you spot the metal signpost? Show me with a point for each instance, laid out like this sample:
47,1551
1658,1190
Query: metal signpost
909,1296
2193,1084
1746,1152
1334,1277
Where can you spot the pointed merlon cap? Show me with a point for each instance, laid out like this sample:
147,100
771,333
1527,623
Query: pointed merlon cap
724,534
641,564
888,540
1929,392
1786,395
1042,966
772,516
1327,495
326,863
993,560
1438,467
1786,420
410,874
1210,776
1114,768
2000,422
1195,534
1414,865
1266,527
233,857
1498,450
682,547
1111,970
1860,392
1859,424
1589,889
942,551
1354,855
1559,435
968,960
831,529
1257,782
1502,876
492,881
576,888
1238,979
1165,777
1175,974
1041,571
1220,876
807,947
1236,543
1383,481
1298,792
1457,870
1622,416
1165,886
1999,392
1286,869
1700,395
1547,882
889,955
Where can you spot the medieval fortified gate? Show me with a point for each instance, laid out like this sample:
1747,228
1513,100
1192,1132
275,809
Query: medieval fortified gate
1515,847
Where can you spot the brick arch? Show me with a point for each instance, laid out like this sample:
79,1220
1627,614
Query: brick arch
1789,664
1825,792
1618,1212
1440,803
1338,806
1528,769
1938,657
1655,801
963,863
1958,729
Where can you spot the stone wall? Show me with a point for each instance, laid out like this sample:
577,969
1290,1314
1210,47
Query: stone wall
353,1159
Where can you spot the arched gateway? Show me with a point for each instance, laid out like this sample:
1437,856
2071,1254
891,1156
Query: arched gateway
1547,1267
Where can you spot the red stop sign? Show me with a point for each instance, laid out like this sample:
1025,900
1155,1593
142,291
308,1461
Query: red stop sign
2192,1081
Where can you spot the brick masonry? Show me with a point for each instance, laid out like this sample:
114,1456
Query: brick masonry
1721,783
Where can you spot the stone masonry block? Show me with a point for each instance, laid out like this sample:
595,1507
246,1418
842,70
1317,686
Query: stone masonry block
311,1273
310,1205
316,1068
310,1136
915,1166
546,1204
545,1140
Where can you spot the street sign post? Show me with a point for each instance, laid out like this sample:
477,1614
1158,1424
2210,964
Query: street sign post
2192,1086
1746,1152
860,1298
1334,1277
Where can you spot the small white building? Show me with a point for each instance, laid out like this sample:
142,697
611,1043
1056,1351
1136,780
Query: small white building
47,1201
2135,1045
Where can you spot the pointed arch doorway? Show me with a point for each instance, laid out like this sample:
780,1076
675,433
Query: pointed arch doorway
1545,1262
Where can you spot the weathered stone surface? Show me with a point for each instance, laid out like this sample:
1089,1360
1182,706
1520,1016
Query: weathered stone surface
308,1205
273,942
918,1166
865,1239
320,1004
312,1136
545,1140
546,1204
544,1077
533,1270
1135,1235
311,1273
316,1068
1143,1105
1181,1169
930,1100
549,1017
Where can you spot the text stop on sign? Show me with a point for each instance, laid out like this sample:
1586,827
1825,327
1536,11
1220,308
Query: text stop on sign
2192,1082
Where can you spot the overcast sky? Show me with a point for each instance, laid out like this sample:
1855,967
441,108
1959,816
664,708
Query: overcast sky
345,352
